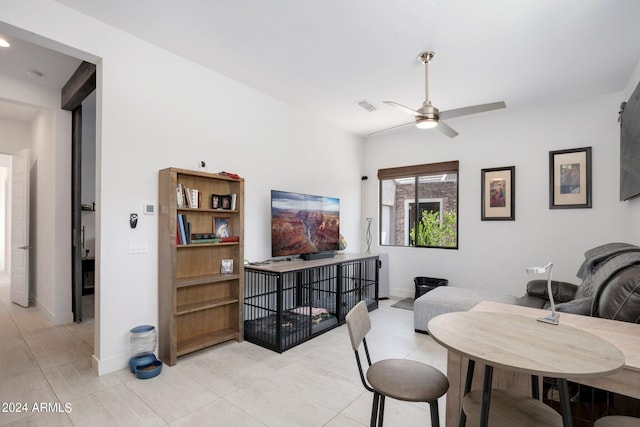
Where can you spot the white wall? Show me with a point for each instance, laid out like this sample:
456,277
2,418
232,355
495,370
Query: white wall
157,110
50,206
632,207
494,254
14,134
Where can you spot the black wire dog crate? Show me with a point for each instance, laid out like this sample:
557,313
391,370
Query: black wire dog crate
290,302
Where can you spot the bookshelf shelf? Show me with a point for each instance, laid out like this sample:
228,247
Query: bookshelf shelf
198,306
199,342
204,279
204,305
202,245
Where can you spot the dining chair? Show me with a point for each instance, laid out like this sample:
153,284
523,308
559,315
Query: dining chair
400,379
617,421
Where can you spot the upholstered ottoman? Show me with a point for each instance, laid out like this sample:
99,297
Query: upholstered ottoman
446,299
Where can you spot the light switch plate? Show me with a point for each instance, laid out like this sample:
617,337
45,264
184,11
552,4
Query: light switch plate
138,246
148,208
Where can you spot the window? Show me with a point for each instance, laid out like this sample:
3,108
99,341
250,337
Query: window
419,205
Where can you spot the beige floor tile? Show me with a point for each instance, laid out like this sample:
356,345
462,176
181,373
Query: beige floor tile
114,406
171,394
54,346
279,406
318,383
218,413
25,390
50,419
16,359
73,380
342,421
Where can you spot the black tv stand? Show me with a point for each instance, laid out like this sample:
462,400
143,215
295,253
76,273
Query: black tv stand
317,255
288,303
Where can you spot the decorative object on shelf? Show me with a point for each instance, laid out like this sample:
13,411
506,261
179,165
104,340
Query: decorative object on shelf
223,201
570,178
343,243
226,266
553,317
222,227
369,236
498,201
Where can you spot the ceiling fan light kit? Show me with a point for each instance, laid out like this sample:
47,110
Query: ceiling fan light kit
428,116
426,122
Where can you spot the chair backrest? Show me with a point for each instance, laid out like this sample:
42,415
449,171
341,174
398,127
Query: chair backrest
358,324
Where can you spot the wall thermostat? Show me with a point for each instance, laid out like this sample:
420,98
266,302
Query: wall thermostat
148,209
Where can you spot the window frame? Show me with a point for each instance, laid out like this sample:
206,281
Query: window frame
415,172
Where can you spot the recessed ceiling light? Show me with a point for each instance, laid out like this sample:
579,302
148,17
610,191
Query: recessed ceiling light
4,43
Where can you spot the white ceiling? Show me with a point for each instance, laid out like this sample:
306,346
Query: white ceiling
324,56
39,66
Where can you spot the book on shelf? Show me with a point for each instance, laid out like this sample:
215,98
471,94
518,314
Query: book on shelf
195,198
187,197
230,239
202,241
182,231
179,196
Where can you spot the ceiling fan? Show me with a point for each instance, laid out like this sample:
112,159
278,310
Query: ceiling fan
428,116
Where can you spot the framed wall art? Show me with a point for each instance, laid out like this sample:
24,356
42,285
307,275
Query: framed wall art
498,194
570,178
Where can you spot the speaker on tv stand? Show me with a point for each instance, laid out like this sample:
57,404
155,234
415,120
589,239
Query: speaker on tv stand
317,255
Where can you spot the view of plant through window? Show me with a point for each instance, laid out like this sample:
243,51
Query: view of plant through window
419,205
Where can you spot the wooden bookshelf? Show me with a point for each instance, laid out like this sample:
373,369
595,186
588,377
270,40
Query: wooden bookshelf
198,306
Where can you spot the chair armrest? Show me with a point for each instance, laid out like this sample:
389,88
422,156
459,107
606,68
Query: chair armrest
562,291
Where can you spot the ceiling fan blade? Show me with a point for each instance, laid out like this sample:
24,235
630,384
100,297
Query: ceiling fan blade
391,128
446,129
474,109
403,108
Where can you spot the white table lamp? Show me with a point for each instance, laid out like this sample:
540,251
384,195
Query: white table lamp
553,317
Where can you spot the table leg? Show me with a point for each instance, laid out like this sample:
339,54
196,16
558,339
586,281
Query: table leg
486,396
565,402
535,387
467,388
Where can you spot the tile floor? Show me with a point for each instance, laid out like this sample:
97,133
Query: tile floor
233,384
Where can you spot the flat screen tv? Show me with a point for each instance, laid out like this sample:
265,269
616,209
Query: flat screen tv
630,147
304,224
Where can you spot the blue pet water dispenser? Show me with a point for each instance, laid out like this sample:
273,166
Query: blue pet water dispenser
142,343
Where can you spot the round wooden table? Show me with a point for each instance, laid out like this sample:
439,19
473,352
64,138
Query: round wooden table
523,344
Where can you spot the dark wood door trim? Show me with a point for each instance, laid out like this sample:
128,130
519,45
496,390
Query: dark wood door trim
79,86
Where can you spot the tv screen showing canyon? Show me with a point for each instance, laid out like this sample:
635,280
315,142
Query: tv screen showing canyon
302,223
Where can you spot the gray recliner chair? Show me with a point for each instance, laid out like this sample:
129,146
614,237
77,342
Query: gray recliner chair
610,285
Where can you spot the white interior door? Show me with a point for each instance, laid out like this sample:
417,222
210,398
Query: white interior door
20,228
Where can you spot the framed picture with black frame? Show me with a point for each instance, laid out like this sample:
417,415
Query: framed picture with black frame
570,178
498,194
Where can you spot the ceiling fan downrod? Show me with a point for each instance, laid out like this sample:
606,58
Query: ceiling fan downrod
425,58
